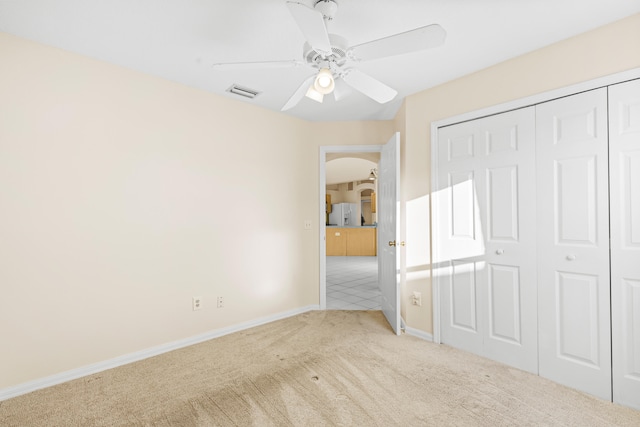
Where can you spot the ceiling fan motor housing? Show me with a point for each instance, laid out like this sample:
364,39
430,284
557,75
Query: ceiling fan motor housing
337,58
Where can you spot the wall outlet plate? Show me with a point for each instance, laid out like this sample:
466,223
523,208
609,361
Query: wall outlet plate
196,303
416,298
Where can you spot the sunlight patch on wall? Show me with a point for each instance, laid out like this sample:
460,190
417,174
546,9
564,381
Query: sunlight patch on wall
458,230
417,233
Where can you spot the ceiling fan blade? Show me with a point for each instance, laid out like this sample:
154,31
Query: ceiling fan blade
341,90
311,23
411,41
298,94
255,65
369,86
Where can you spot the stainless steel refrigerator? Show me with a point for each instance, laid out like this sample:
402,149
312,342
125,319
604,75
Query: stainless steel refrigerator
344,214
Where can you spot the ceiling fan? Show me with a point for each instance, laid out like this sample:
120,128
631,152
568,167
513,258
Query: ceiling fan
331,56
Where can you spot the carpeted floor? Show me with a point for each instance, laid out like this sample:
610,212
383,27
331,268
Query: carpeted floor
322,368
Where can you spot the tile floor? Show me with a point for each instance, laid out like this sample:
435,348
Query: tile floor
352,283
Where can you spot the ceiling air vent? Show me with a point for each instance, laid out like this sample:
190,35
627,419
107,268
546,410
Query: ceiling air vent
243,91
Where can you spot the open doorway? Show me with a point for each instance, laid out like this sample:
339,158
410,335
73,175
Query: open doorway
350,257
387,236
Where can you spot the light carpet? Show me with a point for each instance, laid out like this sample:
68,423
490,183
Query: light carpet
322,368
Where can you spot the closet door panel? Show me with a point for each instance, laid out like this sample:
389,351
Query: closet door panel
488,294
577,317
573,242
456,198
459,244
459,238
508,223
502,204
463,296
463,205
624,157
630,192
505,302
576,198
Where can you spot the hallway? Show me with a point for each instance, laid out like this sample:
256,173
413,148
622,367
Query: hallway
352,283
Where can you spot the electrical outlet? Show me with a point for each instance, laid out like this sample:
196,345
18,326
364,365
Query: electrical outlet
307,224
416,298
196,303
220,302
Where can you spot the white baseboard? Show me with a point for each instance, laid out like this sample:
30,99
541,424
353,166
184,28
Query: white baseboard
416,332
73,374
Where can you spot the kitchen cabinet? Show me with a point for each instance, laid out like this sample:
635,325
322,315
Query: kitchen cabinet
361,241
351,241
336,241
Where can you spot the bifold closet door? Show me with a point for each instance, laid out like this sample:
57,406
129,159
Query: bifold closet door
624,159
573,242
486,221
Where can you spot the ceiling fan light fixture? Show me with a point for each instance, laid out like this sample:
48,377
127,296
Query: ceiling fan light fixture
324,82
328,8
312,93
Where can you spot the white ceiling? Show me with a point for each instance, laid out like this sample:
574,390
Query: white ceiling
348,169
180,40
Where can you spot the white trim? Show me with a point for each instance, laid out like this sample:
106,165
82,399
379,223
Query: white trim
324,149
323,229
435,282
73,374
416,332
497,109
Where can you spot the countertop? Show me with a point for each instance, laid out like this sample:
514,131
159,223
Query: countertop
351,226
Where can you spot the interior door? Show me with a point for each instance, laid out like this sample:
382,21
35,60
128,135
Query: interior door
508,219
624,161
573,242
486,221
388,193
459,239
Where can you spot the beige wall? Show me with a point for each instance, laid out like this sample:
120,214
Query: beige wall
123,195
342,194
603,51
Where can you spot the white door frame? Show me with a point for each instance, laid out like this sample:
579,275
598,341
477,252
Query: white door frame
496,109
323,191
